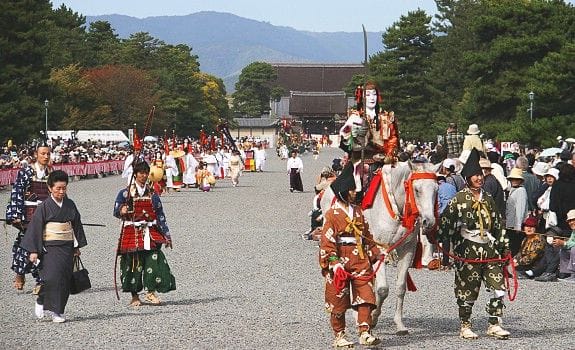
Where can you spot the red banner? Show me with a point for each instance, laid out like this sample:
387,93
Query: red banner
8,176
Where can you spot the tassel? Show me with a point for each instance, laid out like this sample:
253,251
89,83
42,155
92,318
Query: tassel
418,255
410,284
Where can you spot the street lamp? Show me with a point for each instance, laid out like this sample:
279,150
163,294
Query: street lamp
46,105
531,96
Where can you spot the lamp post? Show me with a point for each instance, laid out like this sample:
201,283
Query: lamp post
46,105
531,96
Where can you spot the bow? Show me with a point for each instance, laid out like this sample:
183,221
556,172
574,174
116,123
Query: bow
356,227
137,154
480,206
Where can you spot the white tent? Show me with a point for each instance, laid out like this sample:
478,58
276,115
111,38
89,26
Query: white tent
63,134
101,135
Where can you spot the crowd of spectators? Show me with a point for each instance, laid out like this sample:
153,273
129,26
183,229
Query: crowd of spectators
64,151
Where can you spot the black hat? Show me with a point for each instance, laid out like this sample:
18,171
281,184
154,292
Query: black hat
472,166
344,182
565,155
555,231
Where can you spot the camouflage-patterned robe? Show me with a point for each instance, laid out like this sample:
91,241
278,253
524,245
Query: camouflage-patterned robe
463,211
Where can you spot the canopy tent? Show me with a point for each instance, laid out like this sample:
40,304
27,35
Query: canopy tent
150,138
101,135
63,134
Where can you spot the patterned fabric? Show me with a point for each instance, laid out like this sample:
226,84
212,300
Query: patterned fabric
532,248
464,211
15,210
146,270
384,139
358,294
20,263
454,141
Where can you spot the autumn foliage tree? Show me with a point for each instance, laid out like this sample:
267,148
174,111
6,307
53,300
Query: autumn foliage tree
108,97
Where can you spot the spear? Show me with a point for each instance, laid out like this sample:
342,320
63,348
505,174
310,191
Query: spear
362,112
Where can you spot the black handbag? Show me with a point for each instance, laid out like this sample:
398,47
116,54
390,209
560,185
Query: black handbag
80,279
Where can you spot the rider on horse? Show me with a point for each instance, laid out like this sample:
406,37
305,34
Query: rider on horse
370,136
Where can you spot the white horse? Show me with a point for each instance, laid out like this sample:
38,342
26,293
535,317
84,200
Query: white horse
388,229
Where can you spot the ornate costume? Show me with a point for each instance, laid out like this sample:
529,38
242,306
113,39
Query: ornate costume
142,263
378,133
383,134
474,227
235,168
347,244
29,190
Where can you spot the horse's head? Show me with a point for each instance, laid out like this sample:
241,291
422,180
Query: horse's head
423,183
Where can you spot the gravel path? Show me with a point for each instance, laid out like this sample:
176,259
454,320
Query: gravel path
246,280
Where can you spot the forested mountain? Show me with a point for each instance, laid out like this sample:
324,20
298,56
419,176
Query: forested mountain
226,43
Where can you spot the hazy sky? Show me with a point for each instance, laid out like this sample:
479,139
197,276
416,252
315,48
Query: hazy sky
312,15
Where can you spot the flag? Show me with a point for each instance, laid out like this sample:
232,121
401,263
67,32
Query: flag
137,142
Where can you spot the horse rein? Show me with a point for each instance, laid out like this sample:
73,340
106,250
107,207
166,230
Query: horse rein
413,213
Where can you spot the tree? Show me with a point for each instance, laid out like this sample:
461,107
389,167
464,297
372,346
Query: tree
485,55
214,92
67,38
140,50
108,97
402,72
102,43
182,98
253,89
23,73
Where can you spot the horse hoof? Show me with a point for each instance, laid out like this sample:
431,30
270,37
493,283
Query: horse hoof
402,332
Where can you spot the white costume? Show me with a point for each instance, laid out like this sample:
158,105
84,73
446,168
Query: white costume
220,171
211,164
191,163
227,159
260,158
171,170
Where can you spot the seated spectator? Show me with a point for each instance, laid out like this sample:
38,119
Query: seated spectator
567,252
545,270
532,249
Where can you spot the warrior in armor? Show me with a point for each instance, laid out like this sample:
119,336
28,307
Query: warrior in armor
29,190
142,263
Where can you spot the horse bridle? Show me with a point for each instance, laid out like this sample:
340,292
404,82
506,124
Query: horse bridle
410,211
